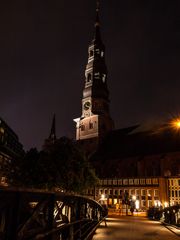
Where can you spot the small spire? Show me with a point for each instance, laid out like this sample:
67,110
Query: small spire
53,129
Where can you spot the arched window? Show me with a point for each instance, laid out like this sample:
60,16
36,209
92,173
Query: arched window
91,53
82,128
90,125
89,77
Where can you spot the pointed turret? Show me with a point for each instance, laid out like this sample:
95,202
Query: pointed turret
52,135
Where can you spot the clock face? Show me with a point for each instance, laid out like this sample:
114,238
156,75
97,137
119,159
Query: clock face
87,105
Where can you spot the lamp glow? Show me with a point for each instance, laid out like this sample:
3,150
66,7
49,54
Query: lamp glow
175,123
137,204
102,197
134,197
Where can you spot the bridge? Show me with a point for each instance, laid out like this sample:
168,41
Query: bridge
31,215
35,215
134,228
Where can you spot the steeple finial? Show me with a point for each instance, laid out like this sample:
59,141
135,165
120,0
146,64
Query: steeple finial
53,129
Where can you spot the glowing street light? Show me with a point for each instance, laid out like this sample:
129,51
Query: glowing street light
175,123
134,198
102,197
157,203
137,204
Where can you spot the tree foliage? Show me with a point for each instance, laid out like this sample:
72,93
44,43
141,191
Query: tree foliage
61,165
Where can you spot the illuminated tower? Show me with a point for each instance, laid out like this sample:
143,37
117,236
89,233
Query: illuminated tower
95,121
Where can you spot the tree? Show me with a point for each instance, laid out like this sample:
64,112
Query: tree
61,165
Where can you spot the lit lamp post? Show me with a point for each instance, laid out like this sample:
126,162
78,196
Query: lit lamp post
137,204
133,204
165,204
157,204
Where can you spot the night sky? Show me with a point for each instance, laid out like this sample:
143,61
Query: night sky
43,54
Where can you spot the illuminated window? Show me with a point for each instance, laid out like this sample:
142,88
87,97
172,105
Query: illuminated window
114,182
156,192
143,192
143,203
137,192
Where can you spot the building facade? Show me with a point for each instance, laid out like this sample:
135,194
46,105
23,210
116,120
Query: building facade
10,147
174,190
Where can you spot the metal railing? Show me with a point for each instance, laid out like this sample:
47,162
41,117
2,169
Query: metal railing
169,215
31,215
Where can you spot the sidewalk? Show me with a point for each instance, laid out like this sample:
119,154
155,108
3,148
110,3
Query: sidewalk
116,213
172,228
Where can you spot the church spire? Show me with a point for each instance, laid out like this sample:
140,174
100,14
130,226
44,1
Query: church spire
52,135
95,121
97,37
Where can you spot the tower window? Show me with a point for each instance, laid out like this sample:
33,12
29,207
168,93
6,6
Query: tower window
89,77
91,53
90,125
82,128
104,77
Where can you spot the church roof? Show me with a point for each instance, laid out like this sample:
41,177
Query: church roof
135,141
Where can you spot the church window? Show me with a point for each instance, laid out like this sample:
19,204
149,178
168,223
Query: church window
89,77
97,74
91,53
82,128
104,78
91,125
97,51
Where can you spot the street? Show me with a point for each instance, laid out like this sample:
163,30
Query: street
133,228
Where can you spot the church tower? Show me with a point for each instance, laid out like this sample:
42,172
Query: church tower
95,121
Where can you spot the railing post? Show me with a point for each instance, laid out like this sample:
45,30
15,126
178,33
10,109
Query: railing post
50,214
71,233
12,217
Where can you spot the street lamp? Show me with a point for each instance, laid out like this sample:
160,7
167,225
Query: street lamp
165,204
134,198
157,203
102,197
137,204
175,124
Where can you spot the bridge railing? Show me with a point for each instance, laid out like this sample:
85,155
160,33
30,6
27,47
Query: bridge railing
169,215
30,215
